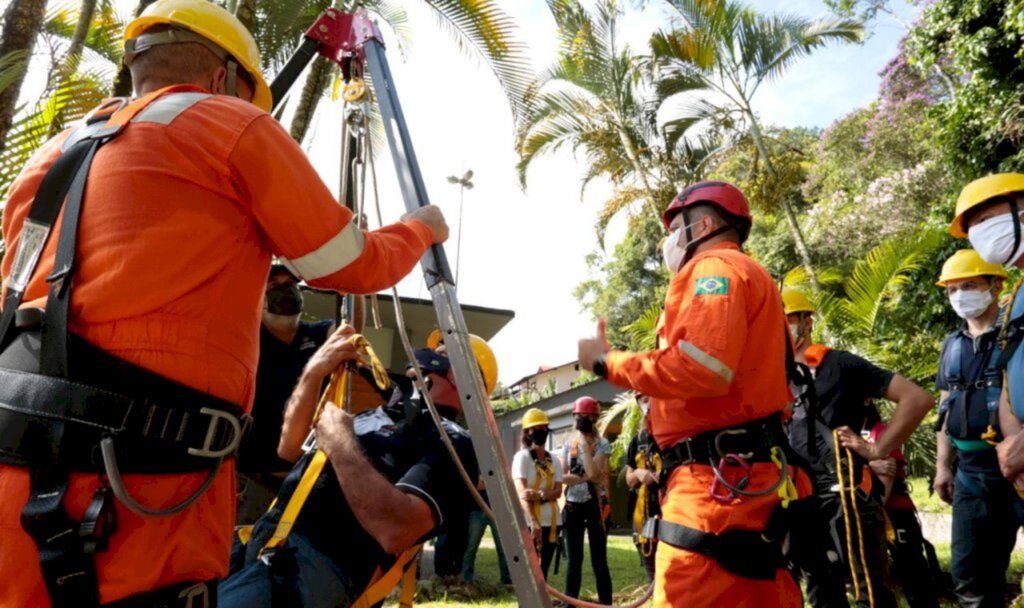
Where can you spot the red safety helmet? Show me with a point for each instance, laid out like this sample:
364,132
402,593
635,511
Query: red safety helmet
587,405
723,195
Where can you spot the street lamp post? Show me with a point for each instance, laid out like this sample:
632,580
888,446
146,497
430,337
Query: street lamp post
465,183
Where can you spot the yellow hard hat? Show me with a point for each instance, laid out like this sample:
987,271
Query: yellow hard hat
534,417
794,301
979,192
484,357
965,264
216,25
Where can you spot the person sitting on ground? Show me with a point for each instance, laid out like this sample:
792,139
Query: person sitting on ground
391,485
538,477
286,345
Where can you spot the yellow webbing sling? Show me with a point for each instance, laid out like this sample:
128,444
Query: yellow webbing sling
404,569
642,497
546,473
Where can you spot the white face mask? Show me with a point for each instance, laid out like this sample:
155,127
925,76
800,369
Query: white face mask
672,252
993,239
794,331
970,304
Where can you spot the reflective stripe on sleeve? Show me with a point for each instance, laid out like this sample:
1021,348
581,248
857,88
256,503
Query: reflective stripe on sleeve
706,360
332,256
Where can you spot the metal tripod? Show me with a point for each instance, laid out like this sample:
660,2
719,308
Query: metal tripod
353,41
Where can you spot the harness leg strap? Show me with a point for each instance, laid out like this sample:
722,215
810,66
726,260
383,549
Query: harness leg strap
745,553
65,557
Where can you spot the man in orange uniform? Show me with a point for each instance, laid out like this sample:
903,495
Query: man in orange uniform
717,385
181,214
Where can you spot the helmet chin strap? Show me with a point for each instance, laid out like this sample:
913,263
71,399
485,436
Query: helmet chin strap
691,245
1016,230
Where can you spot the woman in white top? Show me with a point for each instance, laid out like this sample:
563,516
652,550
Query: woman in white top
538,477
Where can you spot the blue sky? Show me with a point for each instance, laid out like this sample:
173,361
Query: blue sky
524,250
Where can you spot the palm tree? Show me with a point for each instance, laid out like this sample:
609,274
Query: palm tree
732,50
596,99
22,22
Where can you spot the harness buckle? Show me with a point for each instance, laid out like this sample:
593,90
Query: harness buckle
199,591
237,430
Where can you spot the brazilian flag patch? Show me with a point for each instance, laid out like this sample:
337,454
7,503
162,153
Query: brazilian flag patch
712,286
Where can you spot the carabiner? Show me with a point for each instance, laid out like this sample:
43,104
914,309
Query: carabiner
731,490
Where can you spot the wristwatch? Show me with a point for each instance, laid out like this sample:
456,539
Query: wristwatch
601,366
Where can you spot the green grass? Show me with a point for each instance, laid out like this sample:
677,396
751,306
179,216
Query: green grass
925,498
627,576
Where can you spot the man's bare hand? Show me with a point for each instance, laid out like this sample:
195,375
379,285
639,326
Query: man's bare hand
530,495
335,430
943,484
591,348
885,467
1011,456
535,533
856,444
431,216
336,351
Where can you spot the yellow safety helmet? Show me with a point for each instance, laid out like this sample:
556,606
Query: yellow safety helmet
965,264
214,24
534,417
484,357
981,191
794,301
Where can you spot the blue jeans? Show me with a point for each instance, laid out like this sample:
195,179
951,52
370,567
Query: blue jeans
478,522
986,515
312,581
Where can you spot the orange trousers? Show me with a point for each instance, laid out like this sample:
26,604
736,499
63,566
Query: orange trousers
687,579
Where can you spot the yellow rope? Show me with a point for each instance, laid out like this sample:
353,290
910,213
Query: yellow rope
860,530
851,557
846,515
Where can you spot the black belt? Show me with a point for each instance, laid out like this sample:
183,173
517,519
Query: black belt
747,553
157,425
184,595
752,441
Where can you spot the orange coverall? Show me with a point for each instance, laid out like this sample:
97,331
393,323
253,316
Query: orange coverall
178,226
720,363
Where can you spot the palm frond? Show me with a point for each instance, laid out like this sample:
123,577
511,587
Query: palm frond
628,409
482,28
642,333
884,269
72,100
774,42
12,66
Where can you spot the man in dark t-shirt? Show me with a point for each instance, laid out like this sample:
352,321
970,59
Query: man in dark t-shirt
286,344
845,385
388,485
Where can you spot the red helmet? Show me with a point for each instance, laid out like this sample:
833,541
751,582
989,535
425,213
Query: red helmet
723,195
587,405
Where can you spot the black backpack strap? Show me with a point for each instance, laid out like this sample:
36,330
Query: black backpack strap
799,374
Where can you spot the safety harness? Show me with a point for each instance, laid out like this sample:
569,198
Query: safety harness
383,582
754,554
1009,364
647,457
576,467
67,406
545,477
748,553
986,376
